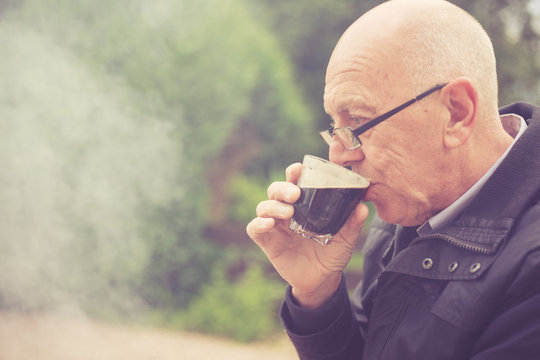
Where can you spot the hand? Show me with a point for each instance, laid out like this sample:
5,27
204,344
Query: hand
312,270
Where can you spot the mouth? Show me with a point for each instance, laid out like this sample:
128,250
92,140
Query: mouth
368,196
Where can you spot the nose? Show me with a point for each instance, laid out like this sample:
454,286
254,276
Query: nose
340,155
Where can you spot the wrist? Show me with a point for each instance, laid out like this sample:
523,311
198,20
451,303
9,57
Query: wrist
316,298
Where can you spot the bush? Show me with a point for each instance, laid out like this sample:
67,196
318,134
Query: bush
244,310
246,193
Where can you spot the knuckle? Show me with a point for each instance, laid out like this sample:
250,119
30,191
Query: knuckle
275,190
271,189
258,229
274,209
261,208
250,228
293,172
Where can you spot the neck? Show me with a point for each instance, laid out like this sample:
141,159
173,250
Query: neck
475,158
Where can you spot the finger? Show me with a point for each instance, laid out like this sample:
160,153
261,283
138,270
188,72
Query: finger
259,227
274,209
283,191
292,173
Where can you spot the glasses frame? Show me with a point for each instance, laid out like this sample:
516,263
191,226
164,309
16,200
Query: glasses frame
354,133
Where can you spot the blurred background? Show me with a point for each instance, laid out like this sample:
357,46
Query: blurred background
137,137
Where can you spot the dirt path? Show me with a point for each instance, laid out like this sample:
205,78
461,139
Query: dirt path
60,337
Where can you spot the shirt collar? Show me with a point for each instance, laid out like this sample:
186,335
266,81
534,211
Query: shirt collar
449,214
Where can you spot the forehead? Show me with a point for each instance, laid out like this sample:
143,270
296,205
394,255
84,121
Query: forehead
352,90
360,78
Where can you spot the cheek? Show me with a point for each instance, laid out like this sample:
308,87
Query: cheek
400,177
391,163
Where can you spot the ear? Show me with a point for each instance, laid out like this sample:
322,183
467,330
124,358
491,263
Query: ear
460,98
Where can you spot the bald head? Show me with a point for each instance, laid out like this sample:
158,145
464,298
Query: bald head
430,41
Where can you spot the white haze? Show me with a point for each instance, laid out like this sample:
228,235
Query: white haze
78,162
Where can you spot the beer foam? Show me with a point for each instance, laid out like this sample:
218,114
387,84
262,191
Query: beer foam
335,178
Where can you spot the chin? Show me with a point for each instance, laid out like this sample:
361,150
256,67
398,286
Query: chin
386,213
389,218
392,214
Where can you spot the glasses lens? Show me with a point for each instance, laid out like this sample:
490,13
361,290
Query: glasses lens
347,138
326,136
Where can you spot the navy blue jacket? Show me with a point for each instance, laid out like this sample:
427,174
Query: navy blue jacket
471,291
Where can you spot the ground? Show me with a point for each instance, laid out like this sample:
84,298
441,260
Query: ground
72,337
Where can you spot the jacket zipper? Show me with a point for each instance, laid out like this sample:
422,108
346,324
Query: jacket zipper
454,242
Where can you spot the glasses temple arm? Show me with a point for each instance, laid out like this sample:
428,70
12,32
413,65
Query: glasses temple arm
363,128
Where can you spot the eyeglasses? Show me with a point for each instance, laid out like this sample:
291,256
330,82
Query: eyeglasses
349,136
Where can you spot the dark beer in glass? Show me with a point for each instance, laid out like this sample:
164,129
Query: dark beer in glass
329,194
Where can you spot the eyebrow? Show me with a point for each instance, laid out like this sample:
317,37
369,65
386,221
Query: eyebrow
354,108
353,103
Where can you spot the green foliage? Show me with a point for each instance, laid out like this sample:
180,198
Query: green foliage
246,193
174,80
356,263
245,309
176,270
207,60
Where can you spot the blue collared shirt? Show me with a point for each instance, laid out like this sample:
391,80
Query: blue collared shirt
449,214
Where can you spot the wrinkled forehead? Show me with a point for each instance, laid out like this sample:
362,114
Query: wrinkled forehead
351,91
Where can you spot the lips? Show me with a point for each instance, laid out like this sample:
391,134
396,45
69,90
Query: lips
369,193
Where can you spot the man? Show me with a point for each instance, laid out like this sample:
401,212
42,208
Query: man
453,269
